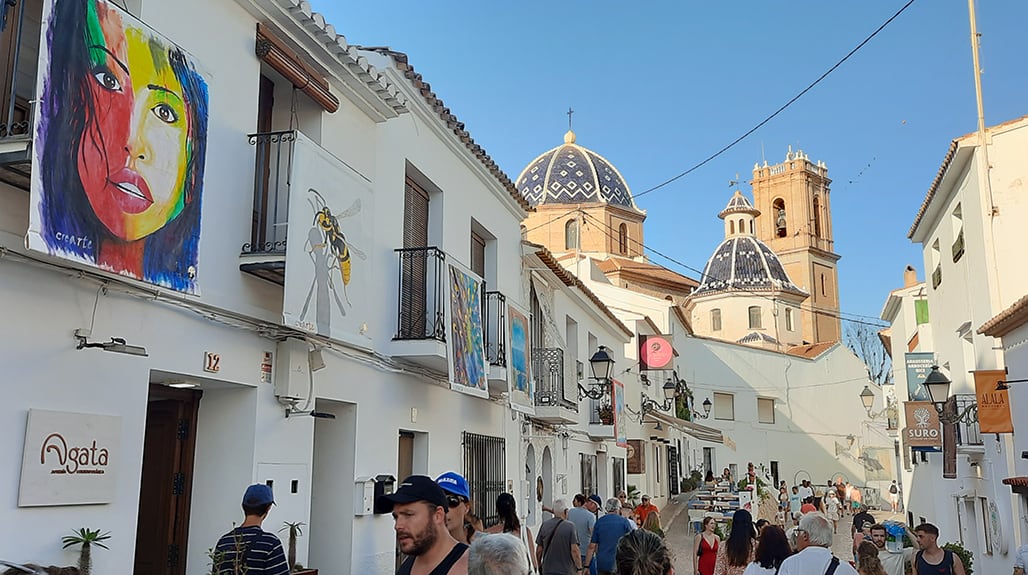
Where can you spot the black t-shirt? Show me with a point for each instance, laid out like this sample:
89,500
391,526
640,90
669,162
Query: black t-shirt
863,517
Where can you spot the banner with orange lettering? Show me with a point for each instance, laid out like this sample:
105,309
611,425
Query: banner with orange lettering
993,404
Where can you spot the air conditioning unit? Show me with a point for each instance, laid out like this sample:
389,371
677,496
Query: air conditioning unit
292,370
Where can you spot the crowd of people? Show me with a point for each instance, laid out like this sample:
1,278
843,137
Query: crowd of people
439,535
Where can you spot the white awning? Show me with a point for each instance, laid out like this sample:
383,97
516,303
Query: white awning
701,432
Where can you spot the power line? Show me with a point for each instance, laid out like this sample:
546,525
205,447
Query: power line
781,109
608,231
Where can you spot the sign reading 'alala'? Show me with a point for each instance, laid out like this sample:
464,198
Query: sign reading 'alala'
69,458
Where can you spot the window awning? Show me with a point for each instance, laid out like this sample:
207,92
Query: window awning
701,432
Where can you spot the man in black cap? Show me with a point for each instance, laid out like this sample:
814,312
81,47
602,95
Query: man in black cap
248,545
419,511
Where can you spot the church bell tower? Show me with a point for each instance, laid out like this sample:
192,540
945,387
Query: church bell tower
796,222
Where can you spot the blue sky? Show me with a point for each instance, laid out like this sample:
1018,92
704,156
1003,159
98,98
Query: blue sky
659,86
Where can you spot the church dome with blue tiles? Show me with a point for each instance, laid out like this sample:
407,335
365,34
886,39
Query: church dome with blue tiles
742,262
571,174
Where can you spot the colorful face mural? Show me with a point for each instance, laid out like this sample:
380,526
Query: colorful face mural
121,142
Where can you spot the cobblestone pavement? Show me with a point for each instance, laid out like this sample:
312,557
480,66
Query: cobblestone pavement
680,536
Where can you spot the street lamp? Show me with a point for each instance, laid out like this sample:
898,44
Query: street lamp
867,397
706,409
602,365
938,385
671,390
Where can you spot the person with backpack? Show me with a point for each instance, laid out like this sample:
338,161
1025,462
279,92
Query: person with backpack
814,541
932,559
894,496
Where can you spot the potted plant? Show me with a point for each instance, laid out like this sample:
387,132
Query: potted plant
295,530
606,413
86,538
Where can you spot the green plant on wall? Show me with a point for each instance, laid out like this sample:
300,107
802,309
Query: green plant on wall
86,538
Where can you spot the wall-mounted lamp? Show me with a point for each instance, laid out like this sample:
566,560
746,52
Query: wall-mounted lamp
316,414
707,405
937,385
602,366
671,388
116,345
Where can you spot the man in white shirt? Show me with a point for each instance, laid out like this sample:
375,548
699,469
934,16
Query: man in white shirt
806,492
814,540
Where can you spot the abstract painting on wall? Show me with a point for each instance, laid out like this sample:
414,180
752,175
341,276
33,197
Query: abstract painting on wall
121,139
620,424
522,388
466,337
330,205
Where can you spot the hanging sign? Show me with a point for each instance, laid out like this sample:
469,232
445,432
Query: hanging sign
993,404
655,352
923,427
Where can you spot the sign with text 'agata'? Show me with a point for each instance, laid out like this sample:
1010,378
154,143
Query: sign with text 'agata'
923,426
69,458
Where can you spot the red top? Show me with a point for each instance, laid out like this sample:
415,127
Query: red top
642,510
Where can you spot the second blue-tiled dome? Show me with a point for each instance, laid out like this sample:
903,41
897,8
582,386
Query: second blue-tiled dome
747,264
571,174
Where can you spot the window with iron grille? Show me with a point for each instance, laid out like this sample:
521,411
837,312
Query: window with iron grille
484,470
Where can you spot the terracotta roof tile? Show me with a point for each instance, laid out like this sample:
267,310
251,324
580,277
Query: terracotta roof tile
451,121
810,351
645,270
1007,320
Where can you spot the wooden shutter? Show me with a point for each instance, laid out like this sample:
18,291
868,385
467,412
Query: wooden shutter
478,255
415,216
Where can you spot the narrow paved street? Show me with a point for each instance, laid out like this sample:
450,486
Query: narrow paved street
680,535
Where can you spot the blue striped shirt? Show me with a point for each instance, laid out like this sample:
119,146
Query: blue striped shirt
260,551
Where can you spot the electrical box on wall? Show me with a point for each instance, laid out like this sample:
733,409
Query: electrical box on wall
292,370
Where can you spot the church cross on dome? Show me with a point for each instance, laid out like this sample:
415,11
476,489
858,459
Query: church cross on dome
569,113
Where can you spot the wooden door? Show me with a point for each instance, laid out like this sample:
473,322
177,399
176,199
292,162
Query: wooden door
163,523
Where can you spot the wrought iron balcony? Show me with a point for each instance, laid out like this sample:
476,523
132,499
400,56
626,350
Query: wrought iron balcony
265,254
548,371
421,311
19,44
496,328
968,432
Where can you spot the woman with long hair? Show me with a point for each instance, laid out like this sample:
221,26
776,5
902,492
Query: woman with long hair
122,144
642,553
507,510
867,560
705,547
652,524
772,548
737,552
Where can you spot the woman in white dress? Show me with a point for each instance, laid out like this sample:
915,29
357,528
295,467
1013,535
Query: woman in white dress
832,508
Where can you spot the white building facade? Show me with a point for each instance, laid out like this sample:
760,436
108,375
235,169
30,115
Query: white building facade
970,225
351,235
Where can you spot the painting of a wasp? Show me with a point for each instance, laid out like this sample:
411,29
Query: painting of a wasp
332,258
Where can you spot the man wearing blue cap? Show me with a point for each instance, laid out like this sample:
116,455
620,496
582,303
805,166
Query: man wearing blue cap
419,513
248,545
458,499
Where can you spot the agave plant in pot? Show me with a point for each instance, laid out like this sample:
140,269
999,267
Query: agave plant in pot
295,531
86,538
